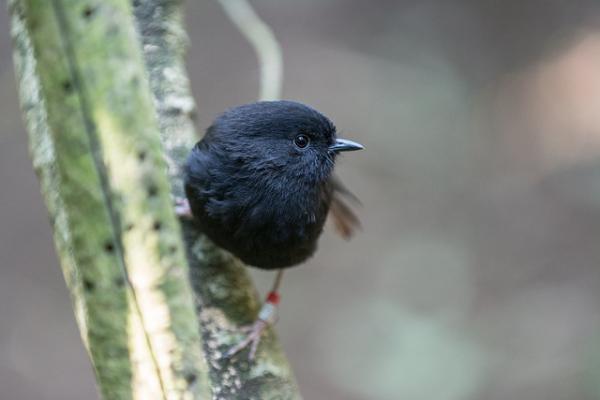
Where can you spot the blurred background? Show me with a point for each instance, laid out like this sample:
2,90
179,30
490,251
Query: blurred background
477,273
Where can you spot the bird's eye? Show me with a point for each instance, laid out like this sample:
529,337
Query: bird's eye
301,141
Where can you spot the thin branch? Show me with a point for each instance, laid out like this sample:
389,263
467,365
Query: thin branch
265,44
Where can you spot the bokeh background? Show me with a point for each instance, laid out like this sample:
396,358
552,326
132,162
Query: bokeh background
477,273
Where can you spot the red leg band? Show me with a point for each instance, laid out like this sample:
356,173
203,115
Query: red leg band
273,298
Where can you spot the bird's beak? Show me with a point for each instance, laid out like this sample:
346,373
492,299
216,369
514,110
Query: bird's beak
345,145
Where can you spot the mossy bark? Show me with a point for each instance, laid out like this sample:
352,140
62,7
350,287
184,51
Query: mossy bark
96,146
226,298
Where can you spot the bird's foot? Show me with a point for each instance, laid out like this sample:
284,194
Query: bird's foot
182,208
267,316
254,333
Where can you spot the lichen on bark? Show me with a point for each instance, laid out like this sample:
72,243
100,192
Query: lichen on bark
95,145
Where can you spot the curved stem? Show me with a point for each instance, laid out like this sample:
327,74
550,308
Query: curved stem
265,44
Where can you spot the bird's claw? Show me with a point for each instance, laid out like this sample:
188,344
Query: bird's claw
266,316
254,333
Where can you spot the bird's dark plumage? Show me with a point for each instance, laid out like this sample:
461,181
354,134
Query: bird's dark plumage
260,182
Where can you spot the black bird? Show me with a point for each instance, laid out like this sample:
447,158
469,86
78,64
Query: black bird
260,184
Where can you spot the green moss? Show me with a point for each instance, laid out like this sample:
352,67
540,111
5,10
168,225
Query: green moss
115,235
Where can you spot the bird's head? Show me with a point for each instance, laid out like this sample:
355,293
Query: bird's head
281,135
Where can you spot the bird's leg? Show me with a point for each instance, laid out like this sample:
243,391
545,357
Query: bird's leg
266,316
182,207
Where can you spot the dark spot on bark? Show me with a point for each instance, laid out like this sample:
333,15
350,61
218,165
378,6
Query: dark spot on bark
88,285
88,11
128,227
109,247
152,190
172,249
67,86
157,226
190,378
120,281
142,155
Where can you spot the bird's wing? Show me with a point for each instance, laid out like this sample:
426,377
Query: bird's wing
345,221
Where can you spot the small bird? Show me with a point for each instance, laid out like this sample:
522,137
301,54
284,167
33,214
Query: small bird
260,184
